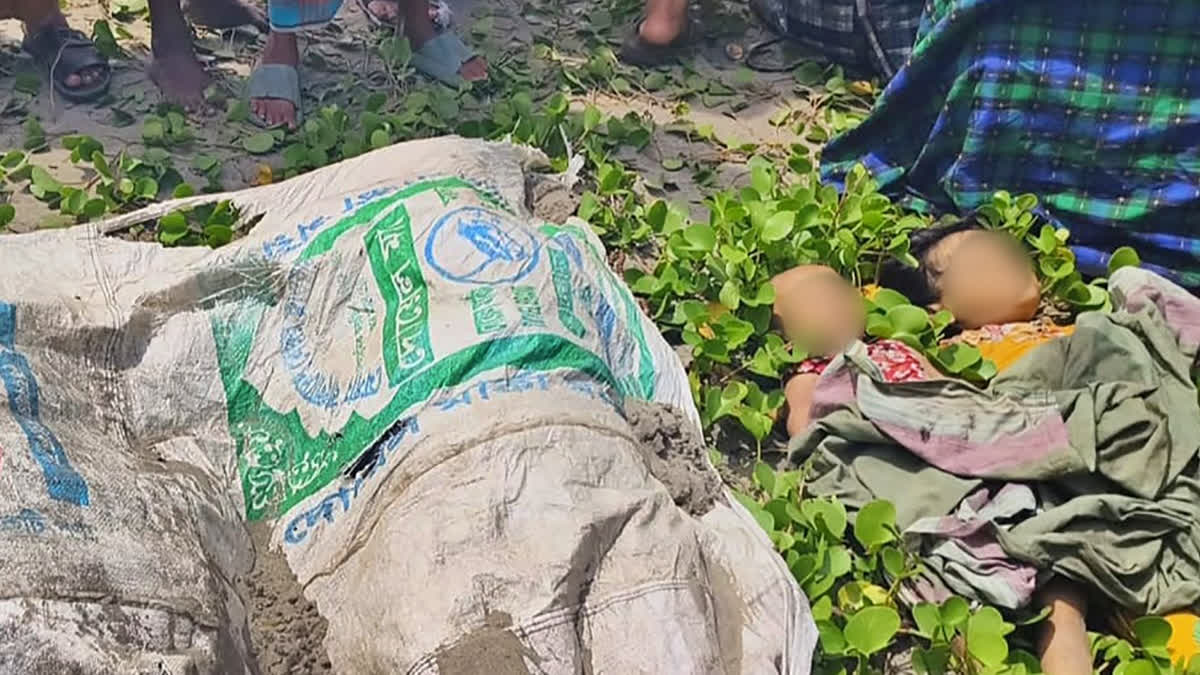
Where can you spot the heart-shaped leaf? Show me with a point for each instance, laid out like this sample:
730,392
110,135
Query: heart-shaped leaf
874,523
1152,631
260,143
778,226
908,319
985,637
871,629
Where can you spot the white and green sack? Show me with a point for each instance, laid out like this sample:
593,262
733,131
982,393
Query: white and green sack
416,384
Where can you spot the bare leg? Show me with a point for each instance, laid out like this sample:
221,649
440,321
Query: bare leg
388,11
222,14
174,68
419,29
665,21
1064,643
280,49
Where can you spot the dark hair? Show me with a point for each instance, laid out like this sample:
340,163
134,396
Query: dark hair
920,284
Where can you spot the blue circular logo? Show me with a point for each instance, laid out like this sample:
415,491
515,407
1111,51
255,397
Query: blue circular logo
473,245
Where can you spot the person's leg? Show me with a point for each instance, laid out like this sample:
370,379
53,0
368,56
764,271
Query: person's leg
41,15
1064,642
665,22
419,29
174,68
223,14
281,49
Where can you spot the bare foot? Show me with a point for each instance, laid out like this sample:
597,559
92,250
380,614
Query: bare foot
280,49
386,11
87,77
222,14
180,78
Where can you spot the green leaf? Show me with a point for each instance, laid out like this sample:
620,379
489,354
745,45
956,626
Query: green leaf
932,661
758,424
778,226
7,213
764,477
94,208
154,130
886,299
871,629
12,159
204,163
839,561
957,357
928,619
1152,631
908,319
380,139
147,188
218,235
44,181
672,164
822,609
173,223
893,561
655,81
730,295
874,523
74,203
375,101
171,238
260,143
985,637
1123,257
954,612
700,237
237,110
833,642
1138,667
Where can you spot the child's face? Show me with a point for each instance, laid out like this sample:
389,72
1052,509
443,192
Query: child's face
818,309
985,278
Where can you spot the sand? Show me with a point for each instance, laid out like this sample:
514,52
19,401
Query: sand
676,454
286,631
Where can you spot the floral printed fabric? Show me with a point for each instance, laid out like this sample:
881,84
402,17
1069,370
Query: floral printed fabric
897,362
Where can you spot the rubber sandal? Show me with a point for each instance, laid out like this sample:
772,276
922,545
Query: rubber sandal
278,81
759,55
442,57
65,52
635,51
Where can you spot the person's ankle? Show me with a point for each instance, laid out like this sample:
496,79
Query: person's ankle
54,18
281,48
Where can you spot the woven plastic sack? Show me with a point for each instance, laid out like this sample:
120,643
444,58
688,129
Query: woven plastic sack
417,385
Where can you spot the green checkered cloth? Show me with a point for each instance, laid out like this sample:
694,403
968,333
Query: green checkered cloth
1093,106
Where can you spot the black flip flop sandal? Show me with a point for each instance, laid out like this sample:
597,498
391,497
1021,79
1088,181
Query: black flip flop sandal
637,52
64,52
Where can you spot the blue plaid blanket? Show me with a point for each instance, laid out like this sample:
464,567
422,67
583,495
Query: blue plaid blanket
1093,106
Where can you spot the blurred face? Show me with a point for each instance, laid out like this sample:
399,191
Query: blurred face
985,278
818,310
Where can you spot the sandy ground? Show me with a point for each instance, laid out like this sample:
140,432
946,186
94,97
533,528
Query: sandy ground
338,60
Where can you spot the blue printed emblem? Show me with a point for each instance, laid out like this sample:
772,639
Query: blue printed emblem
472,245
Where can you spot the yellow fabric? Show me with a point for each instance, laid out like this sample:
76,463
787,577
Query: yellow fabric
1185,634
1005,345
